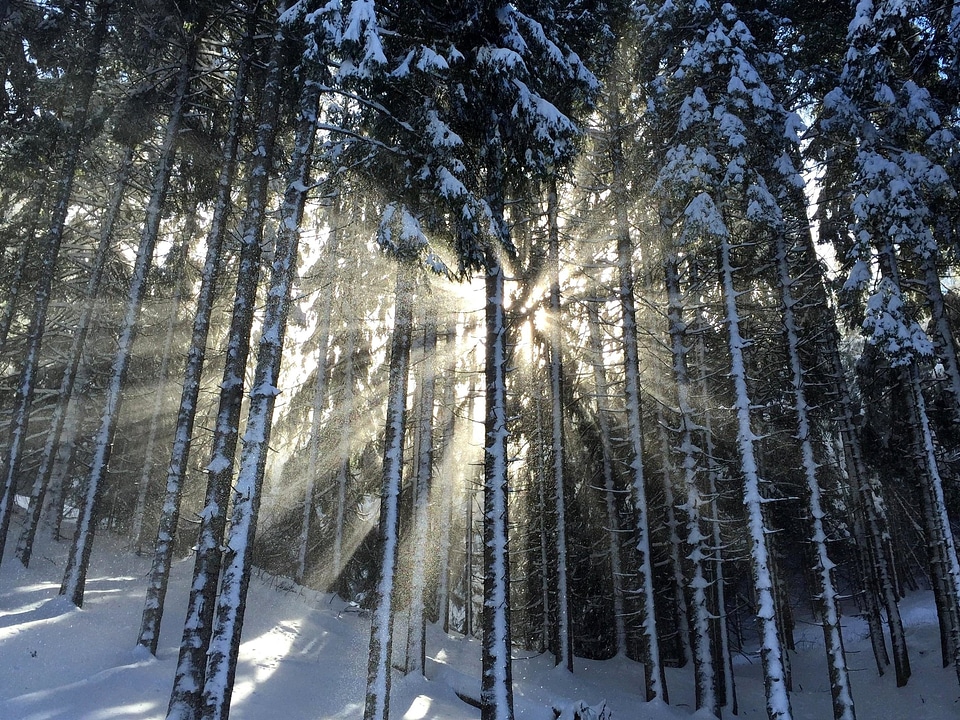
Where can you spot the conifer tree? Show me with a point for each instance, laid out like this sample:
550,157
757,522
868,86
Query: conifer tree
379,665
52,240
224,644
74,579
886,127
188,686
196,354
422,500
68,382
720,167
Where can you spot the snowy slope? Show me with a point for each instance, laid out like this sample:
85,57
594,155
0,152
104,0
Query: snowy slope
304,656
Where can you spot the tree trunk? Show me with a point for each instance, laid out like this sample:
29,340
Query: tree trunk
224,644
945,567
697,550
719,630
451,474
344,453
679,612
74,578
68,382
377,705
319,392
610,489
654,676
656,687
826,596
23,399
564,624
469,498
143,486
496,687
771,652
874,554
547,574
423,498
196,355
188,683
65,455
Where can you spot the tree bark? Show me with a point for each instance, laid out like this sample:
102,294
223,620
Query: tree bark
697,549
23,399
826,596
188,684
196,355
65,395
74,578
723,658
496,687
656,687
224,644
558,454
377,704
610,489
423,497
771,651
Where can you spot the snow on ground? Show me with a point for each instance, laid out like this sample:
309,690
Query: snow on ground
304,657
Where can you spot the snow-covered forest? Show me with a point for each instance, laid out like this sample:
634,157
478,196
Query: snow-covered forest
616,334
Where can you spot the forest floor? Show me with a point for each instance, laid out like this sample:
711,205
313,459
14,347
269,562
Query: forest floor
304,657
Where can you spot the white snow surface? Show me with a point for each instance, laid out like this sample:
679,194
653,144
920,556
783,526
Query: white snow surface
304,656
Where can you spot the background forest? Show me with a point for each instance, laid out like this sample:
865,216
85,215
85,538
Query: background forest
605,329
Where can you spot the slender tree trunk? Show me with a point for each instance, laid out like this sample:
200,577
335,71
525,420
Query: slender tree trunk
610,489
944,564
423,497
23,399
68,382
771,652
558,454
826,596
784,612
344,452
451,474
377,705
469,622
469,497
74,578
65,455
496,687
542,513
678,608
319,392
869,523
697,549
143,486
188,684
656,687
149,634
723,656
224,644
